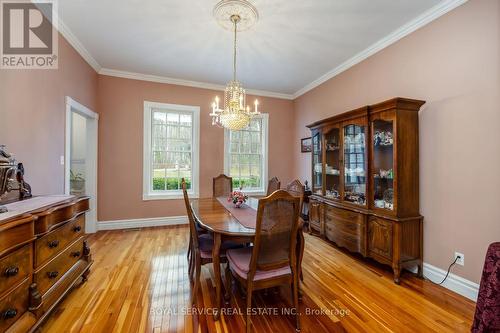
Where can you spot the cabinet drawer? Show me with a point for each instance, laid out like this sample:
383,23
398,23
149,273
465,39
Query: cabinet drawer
341,213
380,238
15,267
14,304
50,273
352,242
353,227
49,245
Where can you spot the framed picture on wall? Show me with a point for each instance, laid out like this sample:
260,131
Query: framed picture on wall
306,145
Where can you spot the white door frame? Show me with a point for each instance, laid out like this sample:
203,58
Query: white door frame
90,160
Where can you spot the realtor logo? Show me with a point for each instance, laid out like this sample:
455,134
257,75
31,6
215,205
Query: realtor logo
29,34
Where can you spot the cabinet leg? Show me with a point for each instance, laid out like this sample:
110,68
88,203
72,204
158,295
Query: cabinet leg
397,274
420,272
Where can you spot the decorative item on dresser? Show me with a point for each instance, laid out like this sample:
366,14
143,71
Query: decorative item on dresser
365,182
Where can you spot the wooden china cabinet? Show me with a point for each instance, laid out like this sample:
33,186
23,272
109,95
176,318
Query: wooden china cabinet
365,182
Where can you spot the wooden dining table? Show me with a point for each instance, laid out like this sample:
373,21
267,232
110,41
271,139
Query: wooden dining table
218,219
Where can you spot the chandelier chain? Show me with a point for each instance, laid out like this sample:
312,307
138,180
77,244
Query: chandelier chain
234,51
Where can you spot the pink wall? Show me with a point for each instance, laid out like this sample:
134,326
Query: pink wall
32,115
453,64
121,107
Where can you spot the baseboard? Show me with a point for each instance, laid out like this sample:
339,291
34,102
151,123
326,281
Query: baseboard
454,282
141,223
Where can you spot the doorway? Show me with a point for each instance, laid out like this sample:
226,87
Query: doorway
81,157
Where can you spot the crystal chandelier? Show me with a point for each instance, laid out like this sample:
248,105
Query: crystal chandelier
236,114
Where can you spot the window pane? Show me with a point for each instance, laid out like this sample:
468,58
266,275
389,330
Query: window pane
185,133
173,118
185,119
159,117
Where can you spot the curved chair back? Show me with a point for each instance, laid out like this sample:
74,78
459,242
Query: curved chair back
273,185
191,217
297,189
275,233
222,186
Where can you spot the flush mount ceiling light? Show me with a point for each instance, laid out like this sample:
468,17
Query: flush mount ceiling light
235,15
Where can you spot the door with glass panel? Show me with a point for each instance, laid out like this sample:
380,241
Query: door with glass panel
317,164
382,168
354,161
333,175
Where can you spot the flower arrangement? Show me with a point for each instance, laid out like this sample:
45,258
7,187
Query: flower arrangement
238,198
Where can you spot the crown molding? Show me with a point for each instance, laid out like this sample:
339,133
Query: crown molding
420,21
78,46
180,82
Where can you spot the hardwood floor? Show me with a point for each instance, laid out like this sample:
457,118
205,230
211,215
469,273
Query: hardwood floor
139,283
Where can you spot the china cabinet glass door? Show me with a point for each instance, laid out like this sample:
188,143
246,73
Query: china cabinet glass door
332,164
317,164
354,163
383,163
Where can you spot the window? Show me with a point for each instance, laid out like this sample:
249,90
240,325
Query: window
245,155
171,141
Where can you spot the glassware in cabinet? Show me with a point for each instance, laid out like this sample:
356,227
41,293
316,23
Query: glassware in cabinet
354,145
383,163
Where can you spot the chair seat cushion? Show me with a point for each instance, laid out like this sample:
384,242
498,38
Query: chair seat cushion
239,260
206,244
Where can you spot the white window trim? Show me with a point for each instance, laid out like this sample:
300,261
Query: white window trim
147,193
265,148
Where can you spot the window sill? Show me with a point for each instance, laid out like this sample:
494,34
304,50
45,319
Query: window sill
167,196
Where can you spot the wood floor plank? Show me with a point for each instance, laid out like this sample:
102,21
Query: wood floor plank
139,283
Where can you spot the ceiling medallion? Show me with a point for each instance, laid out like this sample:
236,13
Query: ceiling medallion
238,15
245,10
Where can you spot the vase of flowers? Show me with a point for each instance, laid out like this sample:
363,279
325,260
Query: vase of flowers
238,198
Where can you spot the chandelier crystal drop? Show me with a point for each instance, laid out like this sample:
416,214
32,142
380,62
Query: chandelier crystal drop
235,115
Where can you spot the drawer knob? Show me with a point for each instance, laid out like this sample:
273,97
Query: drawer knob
52,275
77,228
54,243
9,313
75,254
11,271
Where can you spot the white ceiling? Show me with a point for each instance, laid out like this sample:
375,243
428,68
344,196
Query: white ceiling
294,43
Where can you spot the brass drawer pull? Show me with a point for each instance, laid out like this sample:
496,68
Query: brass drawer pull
52,275
77,228
54,243
75,254
9,313
11,271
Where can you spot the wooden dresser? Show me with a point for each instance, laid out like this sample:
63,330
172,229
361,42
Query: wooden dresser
43,253
365,182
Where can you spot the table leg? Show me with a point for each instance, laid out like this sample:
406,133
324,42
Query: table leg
218,278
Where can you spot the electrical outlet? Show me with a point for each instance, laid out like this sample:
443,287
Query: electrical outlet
461,259
61,160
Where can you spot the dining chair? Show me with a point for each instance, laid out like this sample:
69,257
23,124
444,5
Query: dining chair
273,185
297,189
222,186
201,245
271,261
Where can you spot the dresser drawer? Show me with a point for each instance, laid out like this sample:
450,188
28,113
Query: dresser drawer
49,245
14,304
15,267
51,272
16,232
